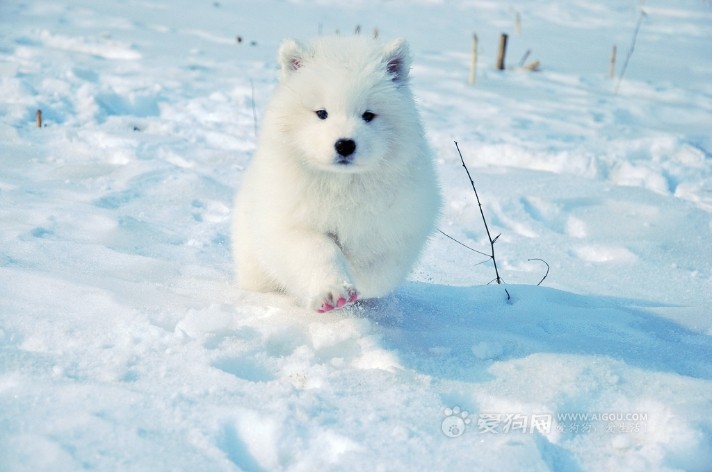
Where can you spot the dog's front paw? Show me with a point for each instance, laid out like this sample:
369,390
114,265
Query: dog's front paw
335,298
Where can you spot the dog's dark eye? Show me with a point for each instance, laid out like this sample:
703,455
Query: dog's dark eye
368,116
322,114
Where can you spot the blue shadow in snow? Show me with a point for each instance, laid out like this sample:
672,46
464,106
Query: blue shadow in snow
435,327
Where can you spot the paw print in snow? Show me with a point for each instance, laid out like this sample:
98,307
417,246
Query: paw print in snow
455,422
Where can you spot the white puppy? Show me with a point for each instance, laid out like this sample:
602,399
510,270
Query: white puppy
341,194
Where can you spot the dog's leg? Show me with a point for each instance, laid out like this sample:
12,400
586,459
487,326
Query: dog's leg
312,267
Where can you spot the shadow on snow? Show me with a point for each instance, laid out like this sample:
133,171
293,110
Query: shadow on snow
454,332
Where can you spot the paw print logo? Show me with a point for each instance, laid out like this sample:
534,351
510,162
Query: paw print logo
455,422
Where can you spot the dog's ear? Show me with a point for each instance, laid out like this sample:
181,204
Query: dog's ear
397,60
291,56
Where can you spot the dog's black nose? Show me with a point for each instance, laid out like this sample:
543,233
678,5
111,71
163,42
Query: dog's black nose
345,147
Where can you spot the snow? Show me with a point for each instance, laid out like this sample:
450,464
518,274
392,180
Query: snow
124,344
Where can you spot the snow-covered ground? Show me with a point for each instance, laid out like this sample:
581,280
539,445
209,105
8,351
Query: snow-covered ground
125,346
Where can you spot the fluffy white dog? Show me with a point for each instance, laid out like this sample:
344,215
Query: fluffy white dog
341,194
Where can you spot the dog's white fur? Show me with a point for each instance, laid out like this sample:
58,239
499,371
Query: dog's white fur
310,223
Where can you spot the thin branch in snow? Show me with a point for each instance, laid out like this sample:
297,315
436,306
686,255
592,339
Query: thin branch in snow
492,240
465,245
632,48
547,269
498,279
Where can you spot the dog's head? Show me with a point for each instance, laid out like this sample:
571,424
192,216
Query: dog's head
344,103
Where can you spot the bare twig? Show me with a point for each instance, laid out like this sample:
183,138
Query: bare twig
524,57
466,246
632,48
547,269
492,240
498,279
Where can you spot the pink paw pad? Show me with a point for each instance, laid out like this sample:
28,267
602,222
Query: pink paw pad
340,303
325,307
